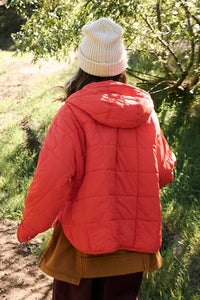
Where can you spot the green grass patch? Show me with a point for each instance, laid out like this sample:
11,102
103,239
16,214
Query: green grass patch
24,122
179,278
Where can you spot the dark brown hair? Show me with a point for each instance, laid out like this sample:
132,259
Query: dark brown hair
81,78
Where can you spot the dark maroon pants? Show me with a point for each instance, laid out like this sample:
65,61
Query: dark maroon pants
125,287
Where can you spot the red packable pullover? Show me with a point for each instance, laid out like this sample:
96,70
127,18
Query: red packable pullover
99,172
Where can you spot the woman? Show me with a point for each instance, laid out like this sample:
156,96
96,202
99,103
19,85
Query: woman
98,177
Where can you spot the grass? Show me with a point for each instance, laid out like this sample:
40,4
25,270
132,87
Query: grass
179,278
24,121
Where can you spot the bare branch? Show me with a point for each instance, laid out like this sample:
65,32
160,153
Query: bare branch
161,90
192,42
161,83
166,45
198,56
195,79
150,75
186,8
130,72
162,55
184,72
158,11
196,19
191,60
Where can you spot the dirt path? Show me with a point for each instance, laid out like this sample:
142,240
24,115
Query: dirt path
20,278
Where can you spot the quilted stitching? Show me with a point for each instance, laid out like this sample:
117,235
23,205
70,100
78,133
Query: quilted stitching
100,169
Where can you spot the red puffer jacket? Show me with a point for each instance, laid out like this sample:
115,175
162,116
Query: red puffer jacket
99,172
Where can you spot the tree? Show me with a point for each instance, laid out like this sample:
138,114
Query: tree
12,15
168,30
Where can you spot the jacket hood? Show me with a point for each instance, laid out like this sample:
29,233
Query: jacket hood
114,104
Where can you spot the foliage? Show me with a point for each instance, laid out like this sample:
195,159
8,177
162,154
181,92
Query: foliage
169,30
12,17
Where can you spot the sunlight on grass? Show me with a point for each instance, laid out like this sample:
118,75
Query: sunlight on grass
24,122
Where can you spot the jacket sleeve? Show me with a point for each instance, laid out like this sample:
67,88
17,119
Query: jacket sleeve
51,183
166,161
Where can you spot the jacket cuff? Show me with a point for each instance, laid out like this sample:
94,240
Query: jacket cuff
23,233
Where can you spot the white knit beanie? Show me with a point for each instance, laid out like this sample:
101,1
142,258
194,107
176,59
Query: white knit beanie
101,51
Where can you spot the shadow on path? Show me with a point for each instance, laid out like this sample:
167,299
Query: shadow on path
20,278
